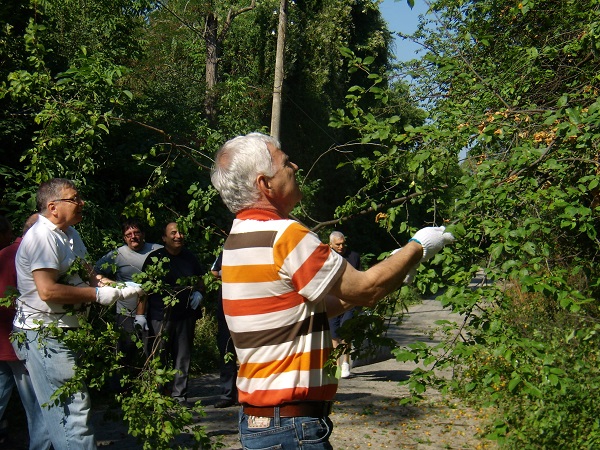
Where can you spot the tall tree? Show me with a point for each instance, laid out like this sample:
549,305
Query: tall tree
211,22
279,72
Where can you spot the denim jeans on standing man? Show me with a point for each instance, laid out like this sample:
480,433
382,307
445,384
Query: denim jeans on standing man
50,364
13,373
285,433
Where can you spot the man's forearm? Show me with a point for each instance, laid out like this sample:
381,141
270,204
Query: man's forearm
367,288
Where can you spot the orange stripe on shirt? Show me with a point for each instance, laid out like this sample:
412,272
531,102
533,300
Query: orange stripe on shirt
307,271
287,242
261,305
297,362
256,273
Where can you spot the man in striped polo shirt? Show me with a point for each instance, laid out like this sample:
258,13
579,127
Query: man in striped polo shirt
280,285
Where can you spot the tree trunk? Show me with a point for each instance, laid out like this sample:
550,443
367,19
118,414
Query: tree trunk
278,80
210,107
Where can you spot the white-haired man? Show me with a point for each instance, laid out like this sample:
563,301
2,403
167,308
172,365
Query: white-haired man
280,284
337,242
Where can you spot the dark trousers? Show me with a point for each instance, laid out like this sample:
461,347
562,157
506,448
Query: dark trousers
132,358
125,344
172,340
227,368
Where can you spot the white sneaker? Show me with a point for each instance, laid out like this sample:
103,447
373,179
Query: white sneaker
345,370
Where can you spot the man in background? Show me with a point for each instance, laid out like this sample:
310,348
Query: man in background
228,359
172,313
121,265
337,241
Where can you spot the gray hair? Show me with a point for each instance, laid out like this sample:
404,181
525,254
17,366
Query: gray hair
237,164
51,190
336,235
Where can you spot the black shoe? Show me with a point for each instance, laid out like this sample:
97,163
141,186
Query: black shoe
184,402
225,403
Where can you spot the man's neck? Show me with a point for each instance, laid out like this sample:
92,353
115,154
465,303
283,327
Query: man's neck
265,205
63,226
174,251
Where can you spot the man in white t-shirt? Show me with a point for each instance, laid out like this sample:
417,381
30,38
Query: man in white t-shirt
51,267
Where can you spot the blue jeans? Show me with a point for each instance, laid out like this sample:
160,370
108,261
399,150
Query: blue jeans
13,373
7,382
50,364
285,433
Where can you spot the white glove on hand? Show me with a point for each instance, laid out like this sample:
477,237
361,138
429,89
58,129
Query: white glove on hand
432,239
132,293
140,322
195,299
107,295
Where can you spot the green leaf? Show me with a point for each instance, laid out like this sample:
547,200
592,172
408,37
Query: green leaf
513,383
368,60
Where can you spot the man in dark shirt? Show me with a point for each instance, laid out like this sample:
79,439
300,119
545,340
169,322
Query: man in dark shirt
337,241
228,361
172,313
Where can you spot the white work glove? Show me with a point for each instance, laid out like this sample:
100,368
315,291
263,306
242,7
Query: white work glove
107,295
140,322
195,299
432,239
138,291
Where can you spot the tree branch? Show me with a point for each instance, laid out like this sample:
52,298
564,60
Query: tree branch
378,207
232,15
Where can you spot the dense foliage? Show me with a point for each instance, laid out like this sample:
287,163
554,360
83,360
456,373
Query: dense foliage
513,86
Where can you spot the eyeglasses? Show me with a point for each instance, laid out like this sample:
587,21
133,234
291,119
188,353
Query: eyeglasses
133,233
77,200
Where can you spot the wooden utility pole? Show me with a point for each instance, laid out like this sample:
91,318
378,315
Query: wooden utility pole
278,80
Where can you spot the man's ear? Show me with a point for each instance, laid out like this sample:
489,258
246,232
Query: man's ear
51,207
264,185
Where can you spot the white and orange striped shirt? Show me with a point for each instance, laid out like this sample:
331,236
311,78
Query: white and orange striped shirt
275,276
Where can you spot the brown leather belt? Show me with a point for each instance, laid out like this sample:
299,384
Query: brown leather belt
298,409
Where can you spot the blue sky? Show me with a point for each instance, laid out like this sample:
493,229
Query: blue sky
401,18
